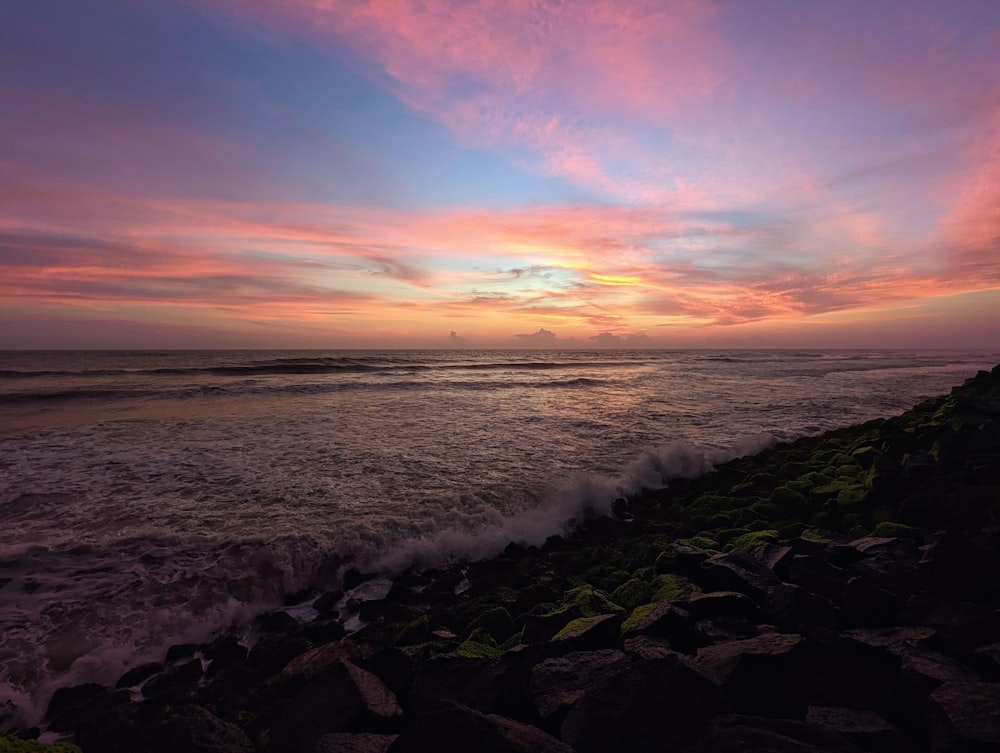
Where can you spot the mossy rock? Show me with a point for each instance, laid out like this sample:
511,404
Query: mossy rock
750,542
589,601
702,541
788,501
17,745
416,632
632,592
852,496
890,529
479,645
668,587
497,623
637,617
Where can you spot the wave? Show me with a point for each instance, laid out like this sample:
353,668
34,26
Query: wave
253,388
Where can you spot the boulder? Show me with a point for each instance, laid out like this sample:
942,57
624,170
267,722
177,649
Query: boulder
739,571
891,563
867,604
558,683
650,705
973,713
963,565
477,683
818,577
665,620
345,742
450,727
195,730
762,676
865,729
739,734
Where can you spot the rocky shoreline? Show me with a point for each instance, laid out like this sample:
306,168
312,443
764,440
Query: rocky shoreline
839,593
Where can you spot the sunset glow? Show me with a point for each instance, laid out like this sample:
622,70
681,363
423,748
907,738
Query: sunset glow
337,174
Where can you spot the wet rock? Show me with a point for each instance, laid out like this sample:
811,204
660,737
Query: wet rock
739,734
345,699
763,676
67,704
354,578
225,652
327,603
277,622
272,652
450,727
136,675
234,688
648,705
184,677
393,667
558,683
182,651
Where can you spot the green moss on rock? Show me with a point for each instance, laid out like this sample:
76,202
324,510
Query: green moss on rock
749,542
17,745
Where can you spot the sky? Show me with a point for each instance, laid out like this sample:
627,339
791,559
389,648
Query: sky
506,173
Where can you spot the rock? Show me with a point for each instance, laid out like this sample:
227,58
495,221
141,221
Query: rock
667,621
866,604
234,688
739,734
354,578
225,652
774,556
680,559
273,651
477,683
316,661
136,675
818,577
762,676
196,730
589,633
344,742
327,603
962,565
865,729
715,604
181,651
648,705
68,704
393,667
973,712
450,727
889,563
558,683
345,699
185,676
739,571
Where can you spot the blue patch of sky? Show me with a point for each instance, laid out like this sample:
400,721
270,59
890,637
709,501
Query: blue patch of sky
315,127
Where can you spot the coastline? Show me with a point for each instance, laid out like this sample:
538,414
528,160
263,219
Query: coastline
868,550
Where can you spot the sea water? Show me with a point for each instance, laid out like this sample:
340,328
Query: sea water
153,498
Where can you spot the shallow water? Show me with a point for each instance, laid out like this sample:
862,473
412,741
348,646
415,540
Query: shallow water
154,498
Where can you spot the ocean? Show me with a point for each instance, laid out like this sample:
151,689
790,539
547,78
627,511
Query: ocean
155,498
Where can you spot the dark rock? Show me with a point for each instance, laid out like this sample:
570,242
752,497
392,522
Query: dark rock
922,506
715,604
497,623
648,705
680,559
918,467
137,674
345,742
327,603
272,652
225,652
231,689
538,628
726,629
962,626
322,630
818,577
393,667
450,727
559,682
866,604
667,621
195,730
890,563
277,622
961,565
185,676
973,713
67,704
865,729
739,734
764,676
345,699
775,557
478,683
354,578
182,651
739,571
